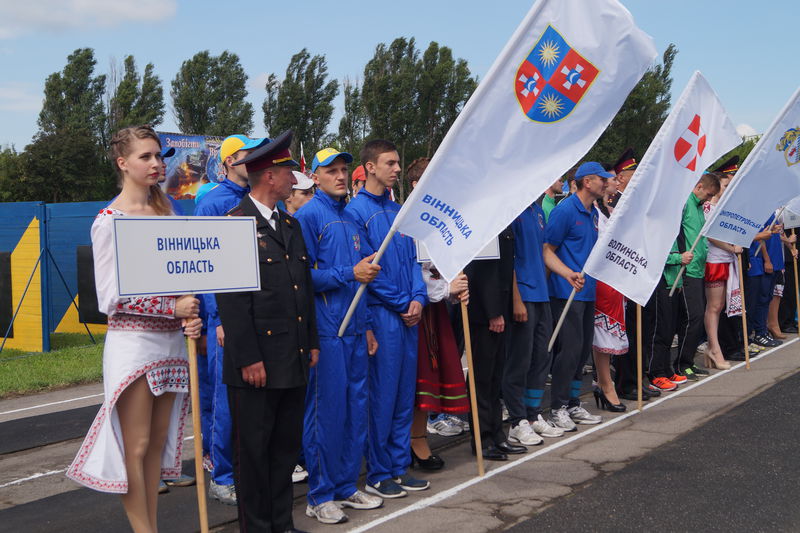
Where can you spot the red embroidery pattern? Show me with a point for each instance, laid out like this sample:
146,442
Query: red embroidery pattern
76,471
143,323
168,379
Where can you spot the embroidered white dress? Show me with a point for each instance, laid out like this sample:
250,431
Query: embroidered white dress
144,339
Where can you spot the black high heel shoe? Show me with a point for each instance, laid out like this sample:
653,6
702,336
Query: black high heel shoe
603,403
432,463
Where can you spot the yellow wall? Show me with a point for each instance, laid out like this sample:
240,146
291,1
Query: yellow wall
71,324
28,324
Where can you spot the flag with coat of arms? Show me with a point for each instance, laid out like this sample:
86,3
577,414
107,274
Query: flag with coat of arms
768,178
631,253
546,100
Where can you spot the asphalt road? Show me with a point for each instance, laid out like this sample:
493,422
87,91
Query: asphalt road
735,473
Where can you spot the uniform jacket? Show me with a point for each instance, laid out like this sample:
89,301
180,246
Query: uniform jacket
335,245
276,325
490,283
400,279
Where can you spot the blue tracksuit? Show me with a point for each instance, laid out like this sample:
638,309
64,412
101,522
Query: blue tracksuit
335,426
393,370
216,202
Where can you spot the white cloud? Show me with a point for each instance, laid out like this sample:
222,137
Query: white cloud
18,18
746,130
257,82
16,96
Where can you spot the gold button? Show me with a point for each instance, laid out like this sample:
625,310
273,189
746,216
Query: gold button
269,260
301,350
304,258
296,287
286,256
269,332
299,319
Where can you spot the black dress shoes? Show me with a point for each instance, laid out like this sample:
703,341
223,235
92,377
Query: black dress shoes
511,449
631,395
492,453
735,356
432,463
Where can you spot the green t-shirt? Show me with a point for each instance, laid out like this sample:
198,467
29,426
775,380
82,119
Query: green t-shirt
548,204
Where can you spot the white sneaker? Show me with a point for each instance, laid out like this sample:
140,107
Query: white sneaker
701,349
546,429
524,434
299,474
326,513
223,493
458,422
561,419
579,415
361,500
441,425
674,342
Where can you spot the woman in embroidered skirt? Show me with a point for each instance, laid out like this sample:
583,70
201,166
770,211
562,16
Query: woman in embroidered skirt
610,337
440,375
136,438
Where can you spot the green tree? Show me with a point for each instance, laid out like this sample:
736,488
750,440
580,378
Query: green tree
302,102
136,100
354,124
444,86
743,150
73,98
390,95
209,95
642,114
10,173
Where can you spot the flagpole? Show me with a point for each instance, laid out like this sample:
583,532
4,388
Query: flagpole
561,319
363,286
744,314
683,267
200,477
473,400
639,357
796,292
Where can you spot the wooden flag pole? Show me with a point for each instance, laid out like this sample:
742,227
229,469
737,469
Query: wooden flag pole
639,357
744,314
561,319
194,389
683,267
473,400
769,229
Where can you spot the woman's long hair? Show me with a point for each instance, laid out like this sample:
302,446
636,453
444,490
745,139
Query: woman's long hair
121,147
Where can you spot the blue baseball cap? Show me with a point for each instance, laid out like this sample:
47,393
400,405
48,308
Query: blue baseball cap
590,168
234,143
325,157
169,152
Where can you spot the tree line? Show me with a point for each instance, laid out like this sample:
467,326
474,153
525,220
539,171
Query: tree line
407,94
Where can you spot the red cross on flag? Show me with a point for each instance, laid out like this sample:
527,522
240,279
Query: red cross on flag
691,144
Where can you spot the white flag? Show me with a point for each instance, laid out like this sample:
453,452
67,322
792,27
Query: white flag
549,95
768,179
791,215
630,255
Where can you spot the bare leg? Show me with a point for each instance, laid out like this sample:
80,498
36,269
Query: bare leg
715,301
602,363
159,426
773,325
135,408
419,428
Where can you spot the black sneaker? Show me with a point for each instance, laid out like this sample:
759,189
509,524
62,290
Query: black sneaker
700,371
689,373
773,339
764,341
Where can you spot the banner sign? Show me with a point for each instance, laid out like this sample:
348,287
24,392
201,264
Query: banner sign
490,251
196,161
178,255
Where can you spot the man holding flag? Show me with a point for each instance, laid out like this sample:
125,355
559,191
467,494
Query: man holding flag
570,235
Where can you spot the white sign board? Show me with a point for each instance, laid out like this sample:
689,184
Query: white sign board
490,251
180,255
790,219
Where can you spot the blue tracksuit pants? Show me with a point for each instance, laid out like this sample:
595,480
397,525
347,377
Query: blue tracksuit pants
392,385
220,445
335,424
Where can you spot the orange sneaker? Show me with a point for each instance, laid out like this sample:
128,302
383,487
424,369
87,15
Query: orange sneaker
663,384
678,379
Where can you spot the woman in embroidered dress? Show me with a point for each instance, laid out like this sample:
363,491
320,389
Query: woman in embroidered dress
440,376
137,435
610,337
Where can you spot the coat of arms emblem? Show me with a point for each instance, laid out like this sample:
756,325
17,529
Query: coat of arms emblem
790,146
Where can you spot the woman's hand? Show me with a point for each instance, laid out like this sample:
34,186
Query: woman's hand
187,306
192,327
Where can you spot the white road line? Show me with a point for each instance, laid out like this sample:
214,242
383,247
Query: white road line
49,404
34,476
452,491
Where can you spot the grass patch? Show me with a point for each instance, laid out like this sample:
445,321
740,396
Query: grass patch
73,360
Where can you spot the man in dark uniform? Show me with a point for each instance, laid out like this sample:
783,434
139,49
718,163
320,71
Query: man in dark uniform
271,340
490,286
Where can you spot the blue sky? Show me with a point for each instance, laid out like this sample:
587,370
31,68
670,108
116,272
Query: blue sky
747,50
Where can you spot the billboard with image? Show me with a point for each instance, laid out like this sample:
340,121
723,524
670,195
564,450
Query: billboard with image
196,161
